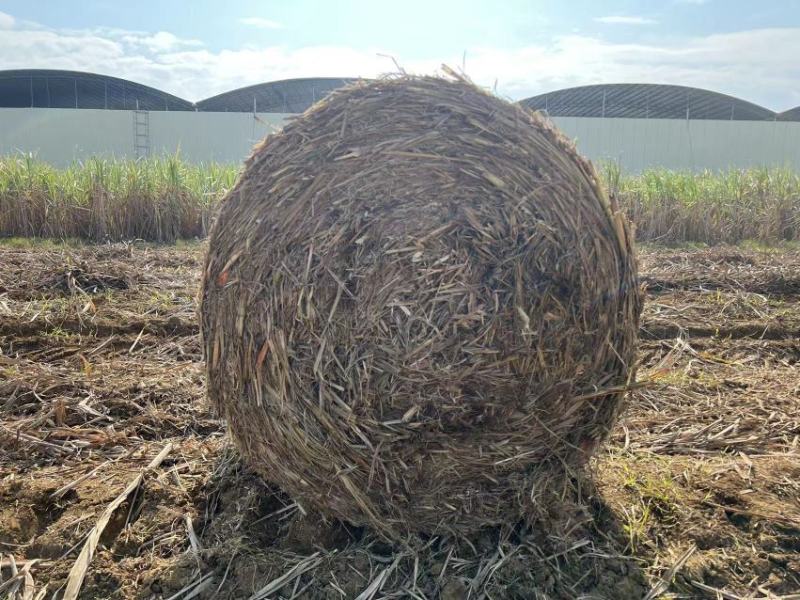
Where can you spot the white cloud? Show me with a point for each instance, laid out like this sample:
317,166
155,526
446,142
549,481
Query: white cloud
758,65
696,2
621,20
261,23
6,21
161,41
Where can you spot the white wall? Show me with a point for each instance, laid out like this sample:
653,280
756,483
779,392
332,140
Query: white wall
60,136
210,137
685,145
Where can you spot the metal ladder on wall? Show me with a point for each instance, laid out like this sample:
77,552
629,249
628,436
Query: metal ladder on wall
141,133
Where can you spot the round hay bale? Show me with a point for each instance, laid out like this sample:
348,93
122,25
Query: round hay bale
418,305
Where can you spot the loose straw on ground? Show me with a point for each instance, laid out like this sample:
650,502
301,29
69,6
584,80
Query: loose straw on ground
81,565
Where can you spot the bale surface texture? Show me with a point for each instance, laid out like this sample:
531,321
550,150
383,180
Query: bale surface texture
418,305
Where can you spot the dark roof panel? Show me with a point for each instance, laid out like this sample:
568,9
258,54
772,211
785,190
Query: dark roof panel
646,101
287,96
793,114
73,89
44,88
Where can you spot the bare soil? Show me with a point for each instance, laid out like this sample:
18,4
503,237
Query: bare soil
696,496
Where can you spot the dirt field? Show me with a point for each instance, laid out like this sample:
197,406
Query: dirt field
698,496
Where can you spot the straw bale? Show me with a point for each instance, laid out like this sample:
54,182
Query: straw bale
419,307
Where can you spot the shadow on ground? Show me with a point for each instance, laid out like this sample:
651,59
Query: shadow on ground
255,541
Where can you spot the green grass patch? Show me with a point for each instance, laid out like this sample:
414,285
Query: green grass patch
759,206
158,200
166,199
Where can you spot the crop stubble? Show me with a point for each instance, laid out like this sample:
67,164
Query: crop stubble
100,368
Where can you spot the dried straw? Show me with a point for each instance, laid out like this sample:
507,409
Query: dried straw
418,307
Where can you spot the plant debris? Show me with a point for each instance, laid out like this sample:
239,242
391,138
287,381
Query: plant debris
706,456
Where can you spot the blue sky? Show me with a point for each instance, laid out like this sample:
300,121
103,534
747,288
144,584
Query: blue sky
199,48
